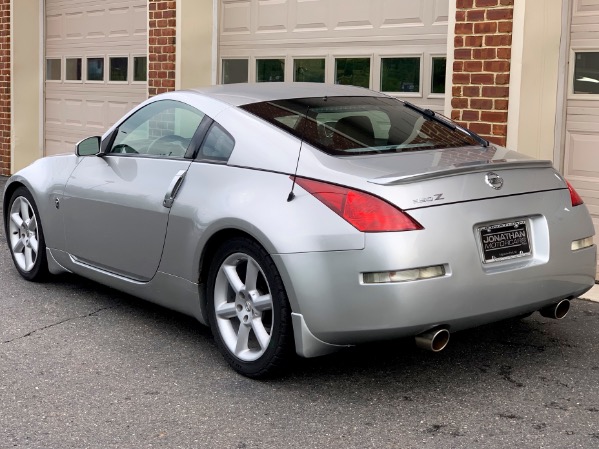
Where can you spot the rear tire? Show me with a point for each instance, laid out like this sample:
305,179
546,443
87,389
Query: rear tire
248,309
25,236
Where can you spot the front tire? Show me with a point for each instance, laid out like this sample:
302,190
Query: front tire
25,236
248,309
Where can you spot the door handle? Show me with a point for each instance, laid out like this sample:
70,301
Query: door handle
173,188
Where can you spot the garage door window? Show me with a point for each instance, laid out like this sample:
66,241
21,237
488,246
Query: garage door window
73,69
119,67
140,68
235,71
271,70
438,75
352,71
308,70
586,72
95,69
400,75
53,72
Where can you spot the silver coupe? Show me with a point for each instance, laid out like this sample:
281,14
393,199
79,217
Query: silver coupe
305,218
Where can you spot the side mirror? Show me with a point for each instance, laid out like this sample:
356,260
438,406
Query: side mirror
89,146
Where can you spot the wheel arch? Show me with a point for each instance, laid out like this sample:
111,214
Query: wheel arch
211,246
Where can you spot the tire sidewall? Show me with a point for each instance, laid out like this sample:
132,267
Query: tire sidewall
279,341
40,268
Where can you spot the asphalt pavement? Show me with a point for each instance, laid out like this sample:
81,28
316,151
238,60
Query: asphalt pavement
85,366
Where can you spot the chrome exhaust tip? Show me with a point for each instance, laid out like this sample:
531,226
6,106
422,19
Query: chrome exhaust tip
556,311
434,340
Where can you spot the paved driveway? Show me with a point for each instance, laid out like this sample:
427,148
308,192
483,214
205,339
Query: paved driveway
84,366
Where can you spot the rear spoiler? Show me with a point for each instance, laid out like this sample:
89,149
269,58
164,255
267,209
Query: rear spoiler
455,170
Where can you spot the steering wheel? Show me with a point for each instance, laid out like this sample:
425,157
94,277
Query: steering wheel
123,148
177,143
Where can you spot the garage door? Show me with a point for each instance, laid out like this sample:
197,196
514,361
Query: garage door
395,46
96,67
581,164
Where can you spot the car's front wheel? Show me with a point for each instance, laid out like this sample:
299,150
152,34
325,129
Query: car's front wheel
25,236
248,309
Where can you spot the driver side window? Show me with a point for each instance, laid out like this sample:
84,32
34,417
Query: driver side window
163,129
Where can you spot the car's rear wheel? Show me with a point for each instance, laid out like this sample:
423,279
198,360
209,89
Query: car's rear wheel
25,236
248,309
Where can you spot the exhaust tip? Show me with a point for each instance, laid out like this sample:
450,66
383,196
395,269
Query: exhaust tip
556,311
435,340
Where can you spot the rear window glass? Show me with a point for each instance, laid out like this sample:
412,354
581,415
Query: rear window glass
347,126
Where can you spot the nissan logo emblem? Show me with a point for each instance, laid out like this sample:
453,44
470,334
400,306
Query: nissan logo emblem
494,180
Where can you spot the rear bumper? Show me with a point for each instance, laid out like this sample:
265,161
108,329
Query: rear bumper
326,288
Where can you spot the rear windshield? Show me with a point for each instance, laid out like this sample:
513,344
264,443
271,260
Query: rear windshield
348,126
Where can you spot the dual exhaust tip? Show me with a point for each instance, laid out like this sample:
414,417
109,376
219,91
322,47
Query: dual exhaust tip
436,339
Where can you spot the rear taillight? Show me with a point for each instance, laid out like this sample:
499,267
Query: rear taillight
574,196
365,212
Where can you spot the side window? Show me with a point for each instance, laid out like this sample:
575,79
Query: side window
218,144
164,128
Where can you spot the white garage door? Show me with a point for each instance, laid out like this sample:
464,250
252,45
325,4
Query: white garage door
395,46
581,165
96,67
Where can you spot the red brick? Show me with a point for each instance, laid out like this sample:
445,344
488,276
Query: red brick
495,91
475,15
464,28
464,4
481,103
497,66
484,53
485,28
504,53
458,66
502,79
500,14
493,116
473,41
459,103
481,128
462,53
500,129
462,78
505,27
473,66
482,78
458,42
501,105
471,116
485,3
471,91
498,40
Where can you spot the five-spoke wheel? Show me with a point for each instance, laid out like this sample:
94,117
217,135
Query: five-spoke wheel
248,307
25,236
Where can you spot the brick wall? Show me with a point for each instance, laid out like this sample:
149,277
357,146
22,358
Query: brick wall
481,71
5,87
161,37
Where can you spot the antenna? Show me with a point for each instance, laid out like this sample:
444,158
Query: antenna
291,194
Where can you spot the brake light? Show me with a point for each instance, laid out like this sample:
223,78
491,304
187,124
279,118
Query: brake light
365,212
574,196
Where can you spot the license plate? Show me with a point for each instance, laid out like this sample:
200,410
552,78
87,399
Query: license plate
502,241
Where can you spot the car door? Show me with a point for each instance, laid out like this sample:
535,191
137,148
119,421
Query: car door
116,206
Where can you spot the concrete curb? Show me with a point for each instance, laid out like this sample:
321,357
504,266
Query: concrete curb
592,294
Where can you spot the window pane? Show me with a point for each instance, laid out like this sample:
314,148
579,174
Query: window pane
235,71
140,68
400,74
586,73
438,76
53,70
73,69
308,70
354,71
164,128
218,144
95,69
270,70
118,69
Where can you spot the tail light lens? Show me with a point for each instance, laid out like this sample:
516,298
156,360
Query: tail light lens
365,212
574,196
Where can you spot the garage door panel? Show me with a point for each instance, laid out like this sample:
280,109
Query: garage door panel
78,108
581,161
